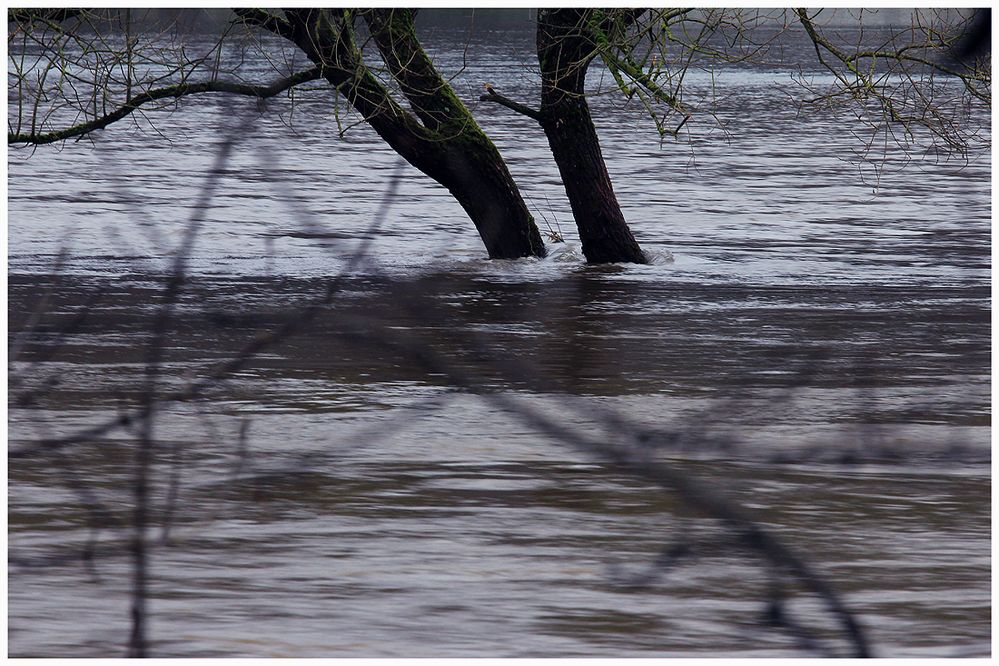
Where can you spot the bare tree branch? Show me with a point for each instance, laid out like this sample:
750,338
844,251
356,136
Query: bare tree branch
265,20
894,83
493,96
176,91
25,15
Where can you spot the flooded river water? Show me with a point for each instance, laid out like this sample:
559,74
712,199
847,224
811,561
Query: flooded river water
813,348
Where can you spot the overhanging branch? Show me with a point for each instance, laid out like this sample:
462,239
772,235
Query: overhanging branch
176,91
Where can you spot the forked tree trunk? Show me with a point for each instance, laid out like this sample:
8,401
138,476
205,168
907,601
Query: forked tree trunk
443,140
565,51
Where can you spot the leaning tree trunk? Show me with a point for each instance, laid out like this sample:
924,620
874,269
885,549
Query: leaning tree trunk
565,51
442,140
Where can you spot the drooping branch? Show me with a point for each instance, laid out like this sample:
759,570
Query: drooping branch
175,91
894,84
648,55
627,65
902,55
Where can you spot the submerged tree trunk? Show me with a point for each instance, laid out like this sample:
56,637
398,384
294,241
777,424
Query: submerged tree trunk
565,50
442,140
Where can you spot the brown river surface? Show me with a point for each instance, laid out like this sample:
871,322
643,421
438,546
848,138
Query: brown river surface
810,347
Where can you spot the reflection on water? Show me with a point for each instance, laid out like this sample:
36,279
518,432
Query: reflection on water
818,352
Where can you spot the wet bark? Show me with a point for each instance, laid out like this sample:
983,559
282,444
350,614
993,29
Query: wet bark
565,50
442,140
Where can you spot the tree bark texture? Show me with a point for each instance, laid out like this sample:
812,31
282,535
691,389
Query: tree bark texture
442,140
565,50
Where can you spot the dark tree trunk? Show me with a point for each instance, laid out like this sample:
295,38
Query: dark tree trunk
443,140
565,50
